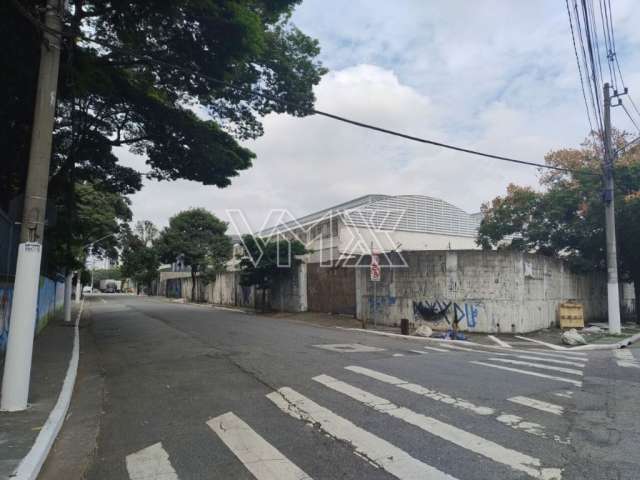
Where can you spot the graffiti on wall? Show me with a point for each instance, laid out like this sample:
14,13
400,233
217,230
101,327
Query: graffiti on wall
447,311
378,304
6,293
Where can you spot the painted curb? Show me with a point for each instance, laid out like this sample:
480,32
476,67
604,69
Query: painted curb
30,465
611,346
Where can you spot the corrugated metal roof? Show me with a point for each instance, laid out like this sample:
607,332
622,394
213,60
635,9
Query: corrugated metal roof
409,213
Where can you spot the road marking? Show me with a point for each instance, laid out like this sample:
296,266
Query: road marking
538,404
419,351
624,358
540,342
349,348
513,352
420,390
398,355
436,349
564,394
502,343
551,360
516,460
377,451
263,460
151,463
512,421
571,371
527,372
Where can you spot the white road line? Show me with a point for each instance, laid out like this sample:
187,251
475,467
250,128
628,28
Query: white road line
551,360
419,351
377,451
420,390
151,463
564,394
527,372
624,358
512,421
398,355
542,355
263,460
538,404
436,349
570,371
502,343
516,460
540,342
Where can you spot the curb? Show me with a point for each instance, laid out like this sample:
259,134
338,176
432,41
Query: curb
611,346
31,464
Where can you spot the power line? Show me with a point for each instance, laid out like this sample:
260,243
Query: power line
339,118
575,50
629,115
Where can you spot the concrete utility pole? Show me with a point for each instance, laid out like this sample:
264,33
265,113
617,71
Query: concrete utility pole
17,367
613,293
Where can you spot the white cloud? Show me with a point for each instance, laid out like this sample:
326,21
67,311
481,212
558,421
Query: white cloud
495,76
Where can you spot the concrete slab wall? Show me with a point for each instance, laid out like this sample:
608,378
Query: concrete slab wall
487,291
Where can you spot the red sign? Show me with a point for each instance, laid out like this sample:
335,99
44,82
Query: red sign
374,268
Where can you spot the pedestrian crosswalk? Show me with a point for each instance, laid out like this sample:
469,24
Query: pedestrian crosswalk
534,415
624,358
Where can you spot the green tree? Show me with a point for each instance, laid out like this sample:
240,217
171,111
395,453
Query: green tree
199,237
265,260
155,64
566,218
98,215
140,259
146,231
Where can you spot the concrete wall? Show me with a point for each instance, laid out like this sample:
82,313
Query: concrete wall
488,291
50,301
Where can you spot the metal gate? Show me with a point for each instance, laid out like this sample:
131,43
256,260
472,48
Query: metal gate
331,289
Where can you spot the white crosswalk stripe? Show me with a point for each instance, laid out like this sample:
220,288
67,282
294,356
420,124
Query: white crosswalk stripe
538,404
513,352
552,360
577,383
435,349
263,460
624,358
516,460
150,463
378,451
553,368
513,421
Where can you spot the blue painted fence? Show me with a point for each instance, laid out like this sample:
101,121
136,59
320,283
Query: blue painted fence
50,299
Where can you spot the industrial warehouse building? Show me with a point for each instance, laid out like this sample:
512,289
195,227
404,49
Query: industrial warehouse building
431,268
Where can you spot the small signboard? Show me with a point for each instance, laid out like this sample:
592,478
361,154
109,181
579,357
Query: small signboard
374,268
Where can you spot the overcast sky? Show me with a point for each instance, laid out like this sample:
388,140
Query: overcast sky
498,76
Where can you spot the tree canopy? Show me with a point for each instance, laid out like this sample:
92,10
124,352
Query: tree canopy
566,217
199,238
153,65
140,259
266,259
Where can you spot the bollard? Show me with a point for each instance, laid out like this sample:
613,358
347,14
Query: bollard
404,326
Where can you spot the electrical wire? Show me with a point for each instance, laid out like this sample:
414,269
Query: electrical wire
339,118
575,51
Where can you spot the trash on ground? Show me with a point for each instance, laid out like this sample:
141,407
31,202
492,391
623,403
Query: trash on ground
572,337
592,329
423,331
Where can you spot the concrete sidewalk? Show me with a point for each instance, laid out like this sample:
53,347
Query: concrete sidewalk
52,351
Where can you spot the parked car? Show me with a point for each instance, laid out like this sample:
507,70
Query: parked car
87,289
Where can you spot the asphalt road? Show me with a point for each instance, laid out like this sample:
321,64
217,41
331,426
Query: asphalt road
194,392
